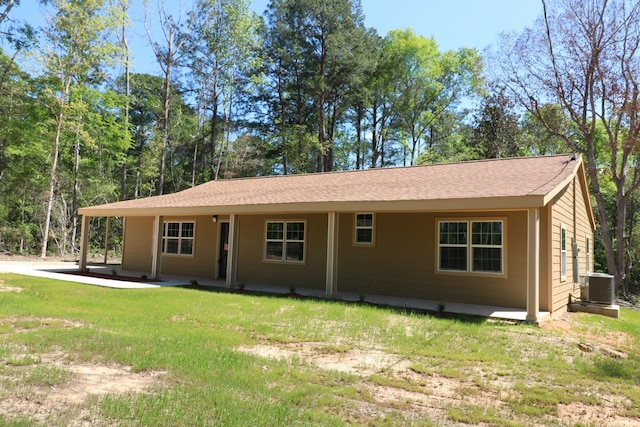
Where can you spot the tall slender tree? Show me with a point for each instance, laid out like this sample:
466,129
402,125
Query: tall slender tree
169,52
74,58
218,53
123,42
318,51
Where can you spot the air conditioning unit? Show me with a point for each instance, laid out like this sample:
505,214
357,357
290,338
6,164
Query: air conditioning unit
598,287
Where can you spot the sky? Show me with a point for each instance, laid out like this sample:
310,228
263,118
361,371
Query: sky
453,23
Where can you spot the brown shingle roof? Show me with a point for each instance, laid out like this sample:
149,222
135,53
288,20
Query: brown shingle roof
514,182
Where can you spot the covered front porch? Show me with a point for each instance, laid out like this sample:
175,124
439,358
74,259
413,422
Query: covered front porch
330,288
127,279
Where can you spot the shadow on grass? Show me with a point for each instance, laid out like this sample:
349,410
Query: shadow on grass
628,369
459,317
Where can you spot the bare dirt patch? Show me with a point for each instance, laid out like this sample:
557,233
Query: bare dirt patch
88,380
86,384
388,383
576,412
413,393
353,361
604,340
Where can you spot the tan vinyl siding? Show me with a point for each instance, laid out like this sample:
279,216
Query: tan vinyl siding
138,242
251,247
403,262
578,227
138,251
562,217
545,274
204,260
583,229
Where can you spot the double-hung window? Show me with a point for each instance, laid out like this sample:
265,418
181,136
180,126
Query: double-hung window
475,246
453,248
178,237
285,241
486,246
563,252
364,234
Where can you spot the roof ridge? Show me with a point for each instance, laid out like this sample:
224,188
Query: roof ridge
380,169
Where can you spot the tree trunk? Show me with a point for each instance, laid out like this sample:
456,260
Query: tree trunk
54,167
127,74
3,158
323,164
214,127
359,151
321,137
374,135
136,185
592,170
165,124
195,161
74,195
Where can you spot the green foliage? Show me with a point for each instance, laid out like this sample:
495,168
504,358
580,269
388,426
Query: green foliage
315,55
428,83
306,88
496,132
546,139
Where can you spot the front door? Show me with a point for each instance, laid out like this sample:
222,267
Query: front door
223,250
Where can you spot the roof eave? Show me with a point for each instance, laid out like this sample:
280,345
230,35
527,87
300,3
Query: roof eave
440,205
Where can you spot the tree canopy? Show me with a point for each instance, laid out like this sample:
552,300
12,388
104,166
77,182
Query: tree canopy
306,87
583,59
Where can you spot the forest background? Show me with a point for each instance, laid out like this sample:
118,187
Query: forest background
305,87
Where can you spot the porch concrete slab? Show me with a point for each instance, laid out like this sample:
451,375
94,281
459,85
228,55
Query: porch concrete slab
60,270
493,312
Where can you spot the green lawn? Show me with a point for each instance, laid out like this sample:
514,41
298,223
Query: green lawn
182,357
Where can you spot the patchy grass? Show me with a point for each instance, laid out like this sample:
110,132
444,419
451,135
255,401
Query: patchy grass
94,356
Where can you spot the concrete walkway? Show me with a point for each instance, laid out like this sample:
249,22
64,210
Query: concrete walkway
61,270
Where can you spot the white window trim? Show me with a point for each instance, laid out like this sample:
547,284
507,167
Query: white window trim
469,246
372,228
165,238
563,252
587,253
284,241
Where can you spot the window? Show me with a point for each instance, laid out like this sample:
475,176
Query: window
285,241
364,229
178,237
588,253
482,252
563,252
453,246
486,246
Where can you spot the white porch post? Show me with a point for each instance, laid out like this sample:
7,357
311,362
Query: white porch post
84,240
106,242
156,259
533,276
330,285
231,253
